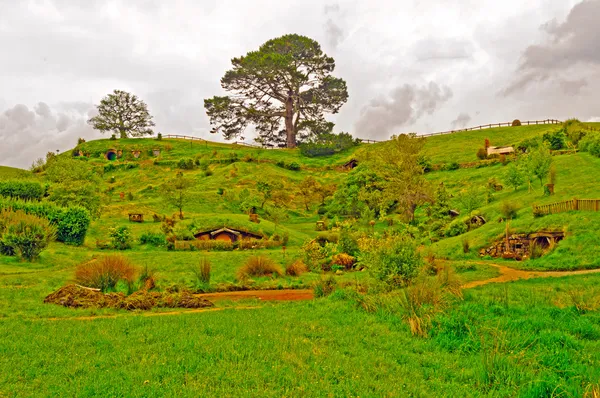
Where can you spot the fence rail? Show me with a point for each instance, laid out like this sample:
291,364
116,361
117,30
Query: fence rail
568,205
369,141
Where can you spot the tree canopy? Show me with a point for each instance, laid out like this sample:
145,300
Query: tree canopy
124,114
283,90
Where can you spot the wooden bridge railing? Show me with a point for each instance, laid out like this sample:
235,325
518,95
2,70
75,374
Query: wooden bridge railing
568,205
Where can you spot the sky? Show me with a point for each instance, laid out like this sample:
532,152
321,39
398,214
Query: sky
410,65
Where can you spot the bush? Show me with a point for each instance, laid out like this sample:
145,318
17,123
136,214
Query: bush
482,153
327,237
455,228
556,140
591,143
325,286
202,272
259,266
24,234
105,272
186,164
393,260
344,260
153,239
452,166
509,210
296,268
71,223
24,190
120,238
159,137
327,144
347,243
516,123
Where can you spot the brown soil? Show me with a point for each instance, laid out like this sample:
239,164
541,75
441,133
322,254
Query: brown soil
75,296
263,295
510,274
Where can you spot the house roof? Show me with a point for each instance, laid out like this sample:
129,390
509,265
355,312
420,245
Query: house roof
500,150
235,232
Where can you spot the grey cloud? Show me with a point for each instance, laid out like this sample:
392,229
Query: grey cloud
570,44
404,106
436,49
27,135
461,121
333,32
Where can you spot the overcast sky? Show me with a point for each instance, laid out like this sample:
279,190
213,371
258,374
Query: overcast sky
410,65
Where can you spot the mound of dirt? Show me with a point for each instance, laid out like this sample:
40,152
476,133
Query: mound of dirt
74,296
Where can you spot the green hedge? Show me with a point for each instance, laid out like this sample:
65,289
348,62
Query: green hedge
71,223
25,190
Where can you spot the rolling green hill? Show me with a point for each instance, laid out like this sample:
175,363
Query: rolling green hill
526,338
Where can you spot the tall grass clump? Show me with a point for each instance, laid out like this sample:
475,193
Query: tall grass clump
325,286
259,266
105,272
201,272
296,268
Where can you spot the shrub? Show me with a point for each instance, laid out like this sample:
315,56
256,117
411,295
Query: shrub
455,228
153,239
482,153
259,266
452,166
202,272
120,238
105,272
327,144
393,260
344,260
327,237
509,210
556,139
347,243
159,137
591,143
24,234
71,222
516,123
24,190
293,166
186,164
325,286
296,268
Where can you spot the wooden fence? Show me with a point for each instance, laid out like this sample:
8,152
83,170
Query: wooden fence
568,205
369,141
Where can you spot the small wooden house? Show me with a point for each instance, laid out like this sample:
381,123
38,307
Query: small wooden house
500,150
226,234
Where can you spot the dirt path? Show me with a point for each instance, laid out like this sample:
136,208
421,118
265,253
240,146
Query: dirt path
263,295
508,274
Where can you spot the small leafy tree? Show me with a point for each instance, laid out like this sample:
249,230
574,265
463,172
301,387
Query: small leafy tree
268,190
283,89
123,113
177,192
514,176
397,164
471,199
308,189
277,215
541,162
120,238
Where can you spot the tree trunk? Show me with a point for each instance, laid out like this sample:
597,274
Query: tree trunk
289,122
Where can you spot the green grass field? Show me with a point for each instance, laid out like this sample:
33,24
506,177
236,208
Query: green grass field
532,338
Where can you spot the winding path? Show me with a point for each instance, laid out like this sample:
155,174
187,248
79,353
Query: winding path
508,274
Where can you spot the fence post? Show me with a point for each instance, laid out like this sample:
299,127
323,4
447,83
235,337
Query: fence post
596,207
575,204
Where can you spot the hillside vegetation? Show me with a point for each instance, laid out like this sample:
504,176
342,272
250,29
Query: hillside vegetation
370,337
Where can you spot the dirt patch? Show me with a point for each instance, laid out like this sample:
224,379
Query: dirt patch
74,296
263,295
510,274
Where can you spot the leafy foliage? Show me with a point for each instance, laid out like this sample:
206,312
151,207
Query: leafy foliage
177,192
24,190
393,260
120,238
327,144
283,89
71,223
123,113
24,234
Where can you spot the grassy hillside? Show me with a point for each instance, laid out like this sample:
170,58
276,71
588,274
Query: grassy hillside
528,338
